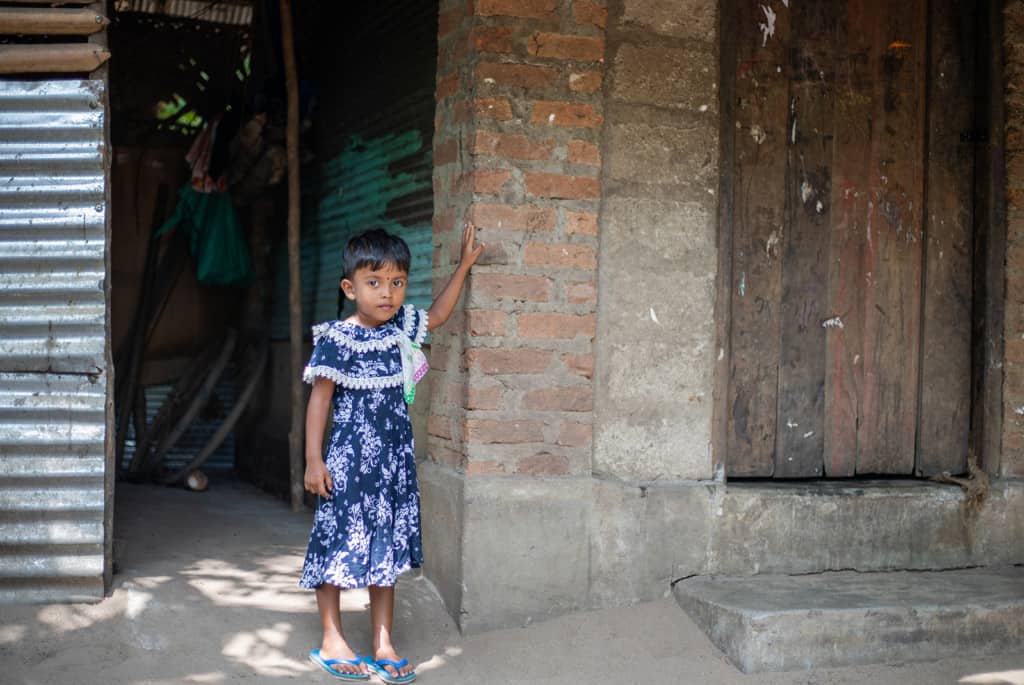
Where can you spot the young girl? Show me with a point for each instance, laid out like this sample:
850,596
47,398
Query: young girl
366,530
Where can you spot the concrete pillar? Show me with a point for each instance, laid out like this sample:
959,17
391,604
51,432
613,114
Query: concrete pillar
655,344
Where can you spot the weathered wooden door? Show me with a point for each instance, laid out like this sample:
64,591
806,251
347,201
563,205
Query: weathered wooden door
851,214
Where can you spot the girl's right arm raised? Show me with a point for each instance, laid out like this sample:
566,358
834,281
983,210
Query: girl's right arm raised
317,480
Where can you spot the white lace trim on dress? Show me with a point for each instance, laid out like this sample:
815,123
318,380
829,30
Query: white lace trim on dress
351,382
350,343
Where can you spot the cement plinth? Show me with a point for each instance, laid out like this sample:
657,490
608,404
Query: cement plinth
783,623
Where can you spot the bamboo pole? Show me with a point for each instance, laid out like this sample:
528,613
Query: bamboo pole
72,58
295,436
72,22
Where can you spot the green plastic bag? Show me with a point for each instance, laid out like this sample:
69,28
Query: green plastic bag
215,238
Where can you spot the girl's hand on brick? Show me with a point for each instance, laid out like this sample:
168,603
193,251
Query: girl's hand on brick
470,252
317,479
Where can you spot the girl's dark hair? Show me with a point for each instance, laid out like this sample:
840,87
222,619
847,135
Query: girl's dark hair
373,249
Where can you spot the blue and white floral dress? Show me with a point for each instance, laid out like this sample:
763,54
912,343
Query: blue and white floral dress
367,531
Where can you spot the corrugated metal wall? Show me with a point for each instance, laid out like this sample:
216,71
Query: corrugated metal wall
373,139
53,340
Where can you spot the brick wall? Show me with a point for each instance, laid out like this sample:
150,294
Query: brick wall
516,152
1012,462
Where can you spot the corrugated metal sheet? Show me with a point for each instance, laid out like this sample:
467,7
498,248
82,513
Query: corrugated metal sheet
234,12
373,138
199,432
52,340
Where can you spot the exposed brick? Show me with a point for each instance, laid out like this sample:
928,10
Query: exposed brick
483,181
532,9
486,322
580,364
511,287
444,455
582,152
441,426
560,254
492,39
486,398
449,21
444,220
1013,382
508,361
1015,256
552,325
512,147
447,86
543,464
562,187
583,223
571,114
1015,198
495,253
485,468
492,108
585,82
482,108
588,12
575,435
561,46
1013,440
1014,351
582,292
492,432
439,357
517,75
512,218
450,394
446,152
572,398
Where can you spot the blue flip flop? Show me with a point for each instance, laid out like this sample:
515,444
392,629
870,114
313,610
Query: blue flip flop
378,669
328,665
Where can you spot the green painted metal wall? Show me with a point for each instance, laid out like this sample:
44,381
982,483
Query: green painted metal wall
372,141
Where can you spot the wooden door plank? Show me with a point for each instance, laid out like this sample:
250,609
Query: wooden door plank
893,255
801,401
759,168
944,423
856,137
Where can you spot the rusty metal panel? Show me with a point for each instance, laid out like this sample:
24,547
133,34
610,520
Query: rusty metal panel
53,340
235,12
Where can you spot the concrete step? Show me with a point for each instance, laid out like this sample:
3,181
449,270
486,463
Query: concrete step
787,623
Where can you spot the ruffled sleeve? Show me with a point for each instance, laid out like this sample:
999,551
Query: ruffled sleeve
412,322
327,359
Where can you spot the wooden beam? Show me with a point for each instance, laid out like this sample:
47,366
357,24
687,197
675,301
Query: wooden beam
51,3
296,435
34,22
73,58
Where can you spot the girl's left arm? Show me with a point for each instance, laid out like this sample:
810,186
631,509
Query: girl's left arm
442,307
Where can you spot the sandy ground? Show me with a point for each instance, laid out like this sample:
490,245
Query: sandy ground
206,593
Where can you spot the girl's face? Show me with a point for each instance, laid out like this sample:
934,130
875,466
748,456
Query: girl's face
378,293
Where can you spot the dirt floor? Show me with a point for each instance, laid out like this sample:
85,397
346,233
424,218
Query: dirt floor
206,593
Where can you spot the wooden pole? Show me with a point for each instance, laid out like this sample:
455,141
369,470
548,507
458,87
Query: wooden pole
43,58
18,21
296,458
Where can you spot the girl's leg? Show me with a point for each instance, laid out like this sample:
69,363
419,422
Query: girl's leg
382,613
334,646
